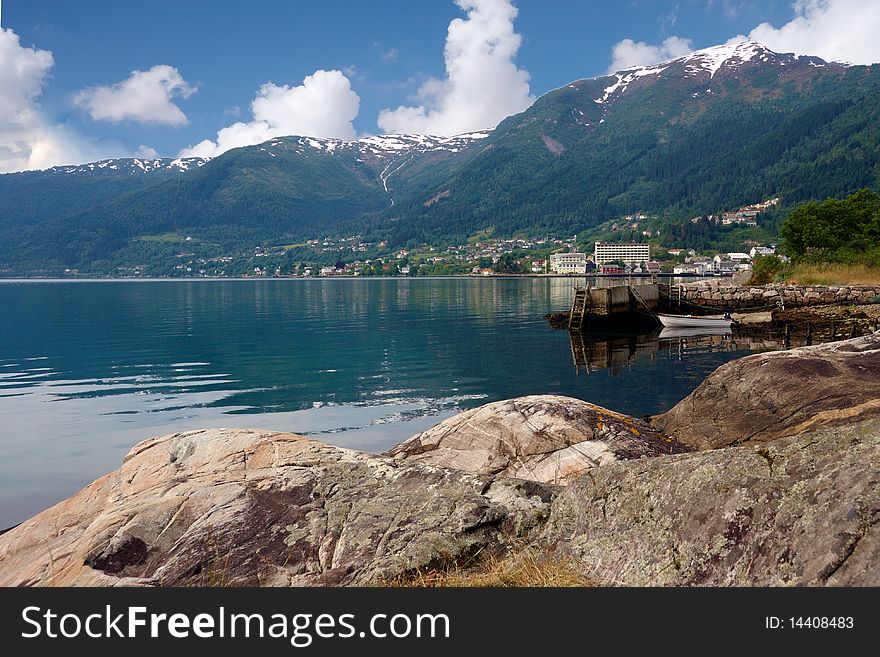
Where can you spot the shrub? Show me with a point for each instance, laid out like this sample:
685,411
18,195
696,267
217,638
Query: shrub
765,269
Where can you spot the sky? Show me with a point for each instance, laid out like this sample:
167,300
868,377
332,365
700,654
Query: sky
82,80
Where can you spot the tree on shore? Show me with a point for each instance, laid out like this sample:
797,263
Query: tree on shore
835,230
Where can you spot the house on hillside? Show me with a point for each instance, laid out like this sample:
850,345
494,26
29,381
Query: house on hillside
762,251
741,218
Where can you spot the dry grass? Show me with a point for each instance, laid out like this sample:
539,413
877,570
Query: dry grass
526,569
833,274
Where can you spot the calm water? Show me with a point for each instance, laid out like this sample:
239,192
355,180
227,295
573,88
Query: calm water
87,369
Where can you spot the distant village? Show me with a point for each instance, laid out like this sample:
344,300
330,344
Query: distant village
482,255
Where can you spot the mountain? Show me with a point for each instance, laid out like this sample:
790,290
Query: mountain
708,132
33,196
705,133
400,161
288,188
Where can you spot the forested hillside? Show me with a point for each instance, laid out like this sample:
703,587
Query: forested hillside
679,140
703,134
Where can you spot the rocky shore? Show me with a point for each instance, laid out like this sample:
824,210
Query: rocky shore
767,474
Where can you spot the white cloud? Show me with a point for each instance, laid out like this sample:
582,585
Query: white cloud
629,53
483,85
22,75
835,30
145,97
146,152
27,139
391,56
324,105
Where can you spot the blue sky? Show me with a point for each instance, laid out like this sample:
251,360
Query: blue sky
214,56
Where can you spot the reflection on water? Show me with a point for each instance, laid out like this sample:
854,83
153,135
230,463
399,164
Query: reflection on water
614,352
89,369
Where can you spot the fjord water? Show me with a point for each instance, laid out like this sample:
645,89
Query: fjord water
87,369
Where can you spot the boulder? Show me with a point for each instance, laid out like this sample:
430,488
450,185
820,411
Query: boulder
767,396
544,438
803,510
236,507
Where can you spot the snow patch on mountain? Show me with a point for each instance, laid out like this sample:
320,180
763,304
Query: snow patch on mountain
393,152
712,59
624,78
383,145
136,165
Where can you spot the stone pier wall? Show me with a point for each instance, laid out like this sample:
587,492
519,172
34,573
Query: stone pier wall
723,294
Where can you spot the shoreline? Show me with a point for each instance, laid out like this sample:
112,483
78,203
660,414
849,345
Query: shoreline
190,279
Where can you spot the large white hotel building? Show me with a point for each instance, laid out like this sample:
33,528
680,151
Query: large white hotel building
628,253
568,263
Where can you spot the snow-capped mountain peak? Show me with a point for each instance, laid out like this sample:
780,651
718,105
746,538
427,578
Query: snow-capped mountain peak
702,65
712,59
376,146
135,165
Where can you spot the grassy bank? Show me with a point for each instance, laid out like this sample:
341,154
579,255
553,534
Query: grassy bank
521,570
832,274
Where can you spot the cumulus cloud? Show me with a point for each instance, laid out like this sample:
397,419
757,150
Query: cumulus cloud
27,139
324,105
483,84
22,76
145,97
835,30
147,152
629,53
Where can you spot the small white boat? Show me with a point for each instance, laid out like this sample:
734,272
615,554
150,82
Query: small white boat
691,321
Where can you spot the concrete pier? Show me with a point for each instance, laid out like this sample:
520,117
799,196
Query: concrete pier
604,303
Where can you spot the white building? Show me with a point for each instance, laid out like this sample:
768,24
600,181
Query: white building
743,218
739,260
698,267
568,263
628,253
762,251
726,267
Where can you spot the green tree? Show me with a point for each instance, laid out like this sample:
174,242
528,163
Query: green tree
834,229
508,264
765,269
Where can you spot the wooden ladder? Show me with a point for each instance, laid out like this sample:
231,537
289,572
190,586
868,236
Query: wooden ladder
578,309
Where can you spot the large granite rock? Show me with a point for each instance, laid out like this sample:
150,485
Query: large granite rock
799,511
235,507
544,438
767,396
